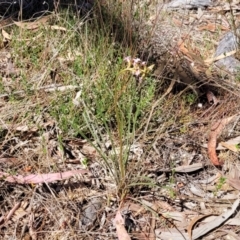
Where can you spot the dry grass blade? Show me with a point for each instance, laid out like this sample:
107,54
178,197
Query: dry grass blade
222,56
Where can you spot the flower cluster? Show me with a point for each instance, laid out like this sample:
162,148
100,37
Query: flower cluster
137,67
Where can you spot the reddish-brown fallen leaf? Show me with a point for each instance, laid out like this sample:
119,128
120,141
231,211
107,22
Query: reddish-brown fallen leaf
177,22
212,143
212,27
191,54
40,178
27,169
182,48
216,131
192,224
121,231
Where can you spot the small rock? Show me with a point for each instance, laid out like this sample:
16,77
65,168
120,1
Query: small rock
228,43
189,4
90,213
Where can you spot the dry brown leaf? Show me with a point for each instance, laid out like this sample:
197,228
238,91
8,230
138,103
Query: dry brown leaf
121,231
216,131
225,6
182,48
32,25
233,195
234,182
177,22
233,235
27,169
231,147
212,179
20,128
135,208
55,27
171,233
5,22
232,144
192,224
192,54
189,168
11,161
153,223
212,27
21,211
6,35
89,150
178,216
196,190
233,221
212,142
164,205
